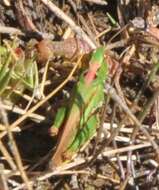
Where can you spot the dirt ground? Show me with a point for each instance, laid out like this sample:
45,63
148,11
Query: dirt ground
41,43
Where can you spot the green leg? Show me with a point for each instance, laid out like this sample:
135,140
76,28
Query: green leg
59,118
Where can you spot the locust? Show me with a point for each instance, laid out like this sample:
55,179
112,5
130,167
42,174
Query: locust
76,123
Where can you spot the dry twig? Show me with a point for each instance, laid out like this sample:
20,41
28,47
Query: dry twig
14,149
58,12
99,2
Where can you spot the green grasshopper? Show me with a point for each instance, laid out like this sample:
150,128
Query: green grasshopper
80,119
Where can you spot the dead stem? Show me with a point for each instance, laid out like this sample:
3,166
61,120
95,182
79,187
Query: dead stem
146,109
14,148
82,161
115,97
3,178
16,109
145,85
92,36
99,2
10,30
122,173
6,2
69,21
106,153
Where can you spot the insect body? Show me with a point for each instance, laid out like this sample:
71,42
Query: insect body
79,120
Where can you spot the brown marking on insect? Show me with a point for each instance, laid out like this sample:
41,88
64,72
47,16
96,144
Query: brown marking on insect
69,129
